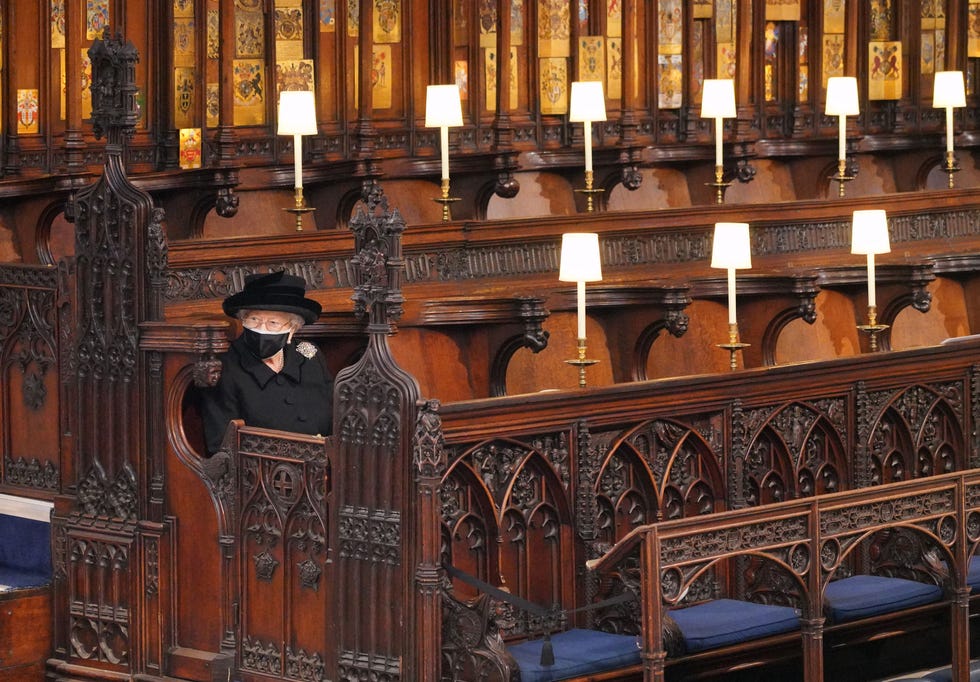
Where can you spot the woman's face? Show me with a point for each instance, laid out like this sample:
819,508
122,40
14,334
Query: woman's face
268,320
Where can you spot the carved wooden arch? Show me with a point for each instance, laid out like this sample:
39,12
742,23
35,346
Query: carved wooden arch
501,360
971,526
465,500
793,562
481,202
929,164
901,428
770,337
625,496
682,468
939,447
675,324
536,541
768,474
824,182
198,215
42,231
919,298
940,534
805,429
345,207
178,393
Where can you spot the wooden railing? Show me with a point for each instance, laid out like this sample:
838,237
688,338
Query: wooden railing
537,483
809,540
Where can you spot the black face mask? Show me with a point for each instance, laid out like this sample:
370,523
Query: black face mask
264,344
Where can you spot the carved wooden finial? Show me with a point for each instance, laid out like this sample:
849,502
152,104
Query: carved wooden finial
378,258
115,109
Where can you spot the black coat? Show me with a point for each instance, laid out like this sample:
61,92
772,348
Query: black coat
297,399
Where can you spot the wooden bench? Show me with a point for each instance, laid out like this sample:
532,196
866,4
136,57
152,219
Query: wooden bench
25,587
809,540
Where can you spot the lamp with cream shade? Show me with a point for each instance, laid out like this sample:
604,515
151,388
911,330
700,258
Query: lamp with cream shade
842,101
297,117
581,262
588,104
718,102
731,251
443,110
869,236
948,91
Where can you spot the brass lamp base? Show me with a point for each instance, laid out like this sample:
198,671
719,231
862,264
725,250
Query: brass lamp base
734,345
581,362
299,209
872,328
719,184
951,167
841,177
589,192
445,200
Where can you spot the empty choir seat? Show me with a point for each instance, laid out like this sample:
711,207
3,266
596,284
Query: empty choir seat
973,575
721,622
865,596
577,653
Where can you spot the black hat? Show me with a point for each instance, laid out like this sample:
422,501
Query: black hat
273,291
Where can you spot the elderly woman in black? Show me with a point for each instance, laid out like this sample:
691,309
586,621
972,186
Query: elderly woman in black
266,379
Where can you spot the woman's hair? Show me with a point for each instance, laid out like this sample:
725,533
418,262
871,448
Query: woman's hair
295,320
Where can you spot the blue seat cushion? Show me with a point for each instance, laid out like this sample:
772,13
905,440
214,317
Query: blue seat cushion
25,545
721,622
861,596
577,652
973,574
19,579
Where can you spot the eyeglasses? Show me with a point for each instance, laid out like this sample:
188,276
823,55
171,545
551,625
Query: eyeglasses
270,324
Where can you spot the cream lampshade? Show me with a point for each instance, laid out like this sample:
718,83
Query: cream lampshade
731,250
842,96
869,235
297,117
581,262
718,98
842,101
718,102
730,247
869,232
443,106
948,89
297,113
588,102
442,110
580,258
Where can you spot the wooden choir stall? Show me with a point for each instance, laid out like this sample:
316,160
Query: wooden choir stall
532,475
